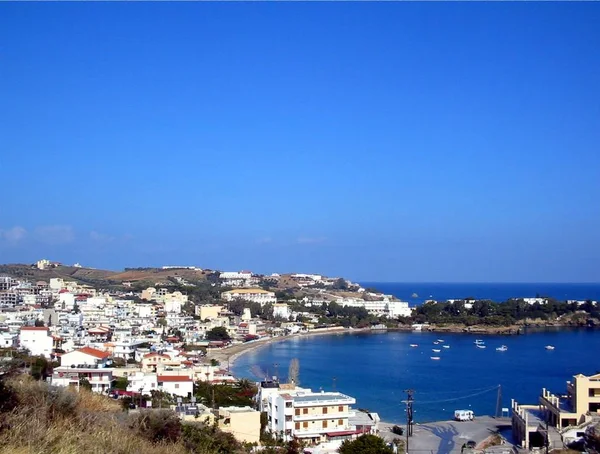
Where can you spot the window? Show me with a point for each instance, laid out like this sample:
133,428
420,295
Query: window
340,422
288,418
341,408
305,411
176,385
324,410
324,424
305,424
298,412
288,405
297,426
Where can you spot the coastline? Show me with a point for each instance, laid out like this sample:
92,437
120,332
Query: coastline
231,354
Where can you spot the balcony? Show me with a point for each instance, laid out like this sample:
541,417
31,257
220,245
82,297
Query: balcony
319,416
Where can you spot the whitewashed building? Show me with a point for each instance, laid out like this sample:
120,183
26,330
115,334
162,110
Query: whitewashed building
37,340
255,295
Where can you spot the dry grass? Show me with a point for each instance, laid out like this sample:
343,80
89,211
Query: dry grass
62,421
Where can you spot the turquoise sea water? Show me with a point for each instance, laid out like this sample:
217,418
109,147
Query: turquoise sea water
376,368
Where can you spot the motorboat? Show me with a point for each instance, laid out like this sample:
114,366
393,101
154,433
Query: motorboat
479,342
435,358
549,347
441,341
435,343
414,345
480,346
446,346
436,350
503,348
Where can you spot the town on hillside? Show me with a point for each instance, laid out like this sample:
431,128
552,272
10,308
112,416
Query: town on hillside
164,338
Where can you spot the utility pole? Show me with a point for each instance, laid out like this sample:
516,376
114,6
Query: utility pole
409,415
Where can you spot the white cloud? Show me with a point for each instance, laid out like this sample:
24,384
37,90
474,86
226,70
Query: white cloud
101,237
309,240
55,234
13,235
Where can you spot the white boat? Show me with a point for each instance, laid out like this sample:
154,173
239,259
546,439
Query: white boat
436,342
441,341
480,346
414,345
549,347
503,348
436,350
435,357
479,342
446,346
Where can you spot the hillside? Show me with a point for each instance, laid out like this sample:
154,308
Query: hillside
36,418
99,277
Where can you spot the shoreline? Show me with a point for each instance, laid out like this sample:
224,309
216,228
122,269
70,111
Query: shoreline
231,354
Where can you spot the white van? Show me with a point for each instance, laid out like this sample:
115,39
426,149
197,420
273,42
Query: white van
463,415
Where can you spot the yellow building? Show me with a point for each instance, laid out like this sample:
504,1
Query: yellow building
208,311
583,397
559,412
242,422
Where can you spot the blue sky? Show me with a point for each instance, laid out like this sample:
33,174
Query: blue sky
379,141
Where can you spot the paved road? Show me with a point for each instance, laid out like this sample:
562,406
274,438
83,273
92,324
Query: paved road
447,437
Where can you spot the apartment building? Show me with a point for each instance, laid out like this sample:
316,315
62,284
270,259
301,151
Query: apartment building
560,412
235,279
100,378
254,295
208,311
312,417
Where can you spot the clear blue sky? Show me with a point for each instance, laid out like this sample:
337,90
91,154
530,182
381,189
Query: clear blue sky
379,141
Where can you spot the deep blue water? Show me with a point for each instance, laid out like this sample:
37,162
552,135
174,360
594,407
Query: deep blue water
494,291
376,368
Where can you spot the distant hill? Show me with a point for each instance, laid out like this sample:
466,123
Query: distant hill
99,277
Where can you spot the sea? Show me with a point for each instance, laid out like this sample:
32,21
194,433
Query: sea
378,368
417,293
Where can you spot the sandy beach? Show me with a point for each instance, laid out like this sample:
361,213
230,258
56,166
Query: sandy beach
228,355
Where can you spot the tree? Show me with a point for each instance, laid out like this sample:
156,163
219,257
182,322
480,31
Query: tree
365,444
39,323
218,333
84,383
121,383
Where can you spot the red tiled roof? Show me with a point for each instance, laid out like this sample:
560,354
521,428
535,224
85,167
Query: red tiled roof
34,328
173,378
94,352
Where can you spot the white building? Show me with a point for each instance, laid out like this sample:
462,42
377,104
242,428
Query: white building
255,295
85,356
309,416
99,378
235,279
37,340
281,310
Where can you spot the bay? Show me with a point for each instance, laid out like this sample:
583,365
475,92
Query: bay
377,368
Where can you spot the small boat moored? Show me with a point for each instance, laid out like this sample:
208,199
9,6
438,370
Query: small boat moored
503,348
414,345
435,350
549,347
446,346
435,357
480,346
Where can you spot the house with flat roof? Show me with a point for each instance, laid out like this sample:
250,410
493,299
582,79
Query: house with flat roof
310,416
255,295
